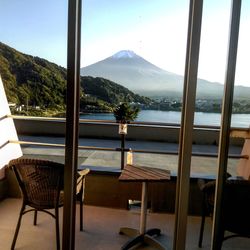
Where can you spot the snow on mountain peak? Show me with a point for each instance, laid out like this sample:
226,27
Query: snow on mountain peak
124,54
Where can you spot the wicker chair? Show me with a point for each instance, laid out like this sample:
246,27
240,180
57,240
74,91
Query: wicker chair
41,184
208,194
208,191
239,185
80,185
235,206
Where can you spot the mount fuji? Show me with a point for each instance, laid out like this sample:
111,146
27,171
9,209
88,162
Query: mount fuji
135,73
140,76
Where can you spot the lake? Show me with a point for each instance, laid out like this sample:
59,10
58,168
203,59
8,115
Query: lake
211,119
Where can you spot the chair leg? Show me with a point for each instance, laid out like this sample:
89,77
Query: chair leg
57,229
17,227
35,217
81,215
203,218
220,240
202,229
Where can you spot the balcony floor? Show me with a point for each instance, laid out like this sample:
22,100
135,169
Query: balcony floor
101,227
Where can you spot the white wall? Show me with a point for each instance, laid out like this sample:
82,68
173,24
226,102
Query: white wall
7,132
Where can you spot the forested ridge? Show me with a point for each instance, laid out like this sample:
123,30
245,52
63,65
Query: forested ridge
35,82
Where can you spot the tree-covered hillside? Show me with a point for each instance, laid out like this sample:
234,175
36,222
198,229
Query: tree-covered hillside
36,82
109,91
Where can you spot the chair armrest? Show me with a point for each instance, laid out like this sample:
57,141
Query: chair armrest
83,172
201,183
81,180
239,182
206,186
210,185
233,178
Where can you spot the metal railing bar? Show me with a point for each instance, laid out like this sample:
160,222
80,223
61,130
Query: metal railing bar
234,130
212,155
165,152
99,148
63,145
133,123
3,117
36,118
38,143
4,144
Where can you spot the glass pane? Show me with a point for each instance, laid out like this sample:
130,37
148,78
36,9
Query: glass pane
33,56
140,46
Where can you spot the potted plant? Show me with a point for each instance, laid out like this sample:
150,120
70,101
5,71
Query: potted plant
124,114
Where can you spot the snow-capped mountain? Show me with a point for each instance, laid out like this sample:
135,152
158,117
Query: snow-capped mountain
137,74
125,54
134,72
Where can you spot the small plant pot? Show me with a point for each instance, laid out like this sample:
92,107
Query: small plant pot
123,128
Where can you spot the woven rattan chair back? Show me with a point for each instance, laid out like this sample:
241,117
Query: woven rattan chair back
236,207
41,183
237,195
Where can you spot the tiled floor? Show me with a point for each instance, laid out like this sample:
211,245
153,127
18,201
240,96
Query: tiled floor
101,227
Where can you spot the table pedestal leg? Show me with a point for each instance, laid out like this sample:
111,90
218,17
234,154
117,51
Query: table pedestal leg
142,236
144,203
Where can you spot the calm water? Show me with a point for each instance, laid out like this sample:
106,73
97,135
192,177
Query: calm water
211,119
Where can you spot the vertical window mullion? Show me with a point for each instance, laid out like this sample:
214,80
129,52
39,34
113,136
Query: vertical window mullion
185,148
72,122
226,121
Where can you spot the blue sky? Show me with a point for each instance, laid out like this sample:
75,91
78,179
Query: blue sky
155,30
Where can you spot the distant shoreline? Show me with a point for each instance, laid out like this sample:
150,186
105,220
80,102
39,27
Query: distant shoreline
201,118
